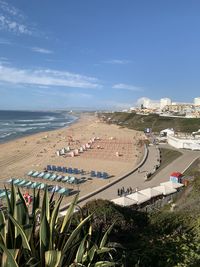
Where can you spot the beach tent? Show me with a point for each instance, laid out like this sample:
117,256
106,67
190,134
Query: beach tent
175,177
76,152
65,179
165,190
35,174
47,175
139,197
150,192
41,175
64,191
30,173
124,201
171,184
53,177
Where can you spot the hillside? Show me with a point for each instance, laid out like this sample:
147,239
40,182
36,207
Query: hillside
154,121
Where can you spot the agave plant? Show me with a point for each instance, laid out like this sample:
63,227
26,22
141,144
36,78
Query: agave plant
40,238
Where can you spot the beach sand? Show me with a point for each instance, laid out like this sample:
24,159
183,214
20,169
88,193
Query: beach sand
34,152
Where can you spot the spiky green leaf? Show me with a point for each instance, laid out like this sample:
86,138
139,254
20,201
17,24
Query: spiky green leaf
68,215
104,264
44,237
81,250
9,260
105,237
21,232
2,226
52,258
53,221
45,206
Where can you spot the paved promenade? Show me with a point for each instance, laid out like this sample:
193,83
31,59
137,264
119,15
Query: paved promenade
137,179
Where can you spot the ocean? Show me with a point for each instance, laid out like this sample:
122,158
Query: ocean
16,124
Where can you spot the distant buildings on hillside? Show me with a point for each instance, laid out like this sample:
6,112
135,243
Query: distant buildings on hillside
166,107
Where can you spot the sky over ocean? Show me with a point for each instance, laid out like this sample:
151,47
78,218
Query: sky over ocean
97,54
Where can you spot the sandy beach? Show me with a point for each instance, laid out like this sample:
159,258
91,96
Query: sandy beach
115,151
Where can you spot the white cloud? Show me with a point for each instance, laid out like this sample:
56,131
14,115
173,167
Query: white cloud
117,61
46,77
12,19
127,87
41,50
4,42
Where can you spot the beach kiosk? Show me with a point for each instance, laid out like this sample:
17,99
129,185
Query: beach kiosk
176,177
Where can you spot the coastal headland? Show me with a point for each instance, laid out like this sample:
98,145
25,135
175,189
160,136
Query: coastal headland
115,151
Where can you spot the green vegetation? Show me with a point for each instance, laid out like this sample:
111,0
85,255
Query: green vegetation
40,238
154,121
136,239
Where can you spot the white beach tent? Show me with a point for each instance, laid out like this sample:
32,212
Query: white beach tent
150,192
124,201
139,197
171,184
165,190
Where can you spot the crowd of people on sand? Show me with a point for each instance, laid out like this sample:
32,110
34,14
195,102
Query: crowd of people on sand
123,192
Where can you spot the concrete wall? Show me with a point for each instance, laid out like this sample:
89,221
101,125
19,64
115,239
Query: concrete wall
192,144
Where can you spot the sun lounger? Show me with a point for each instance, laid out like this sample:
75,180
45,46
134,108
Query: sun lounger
59,169
93,174
16,181
104,175
30,173
53,177
34,185
49,168
73,180
65,179
63,191
41,175
10,180
64,169
76,171
55,188
28,185
38,185
35,174
99,175
70,170
47,175
53,168
2,194
41,186
25,184
59,178
22,183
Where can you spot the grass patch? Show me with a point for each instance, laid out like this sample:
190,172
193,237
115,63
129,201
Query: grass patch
189,201
154,121
167,156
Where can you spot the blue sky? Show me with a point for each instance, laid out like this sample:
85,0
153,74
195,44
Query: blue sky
97,53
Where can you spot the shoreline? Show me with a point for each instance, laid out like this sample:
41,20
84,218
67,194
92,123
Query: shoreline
35,152
76,118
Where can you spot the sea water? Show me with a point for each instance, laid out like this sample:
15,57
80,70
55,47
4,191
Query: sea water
15,124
